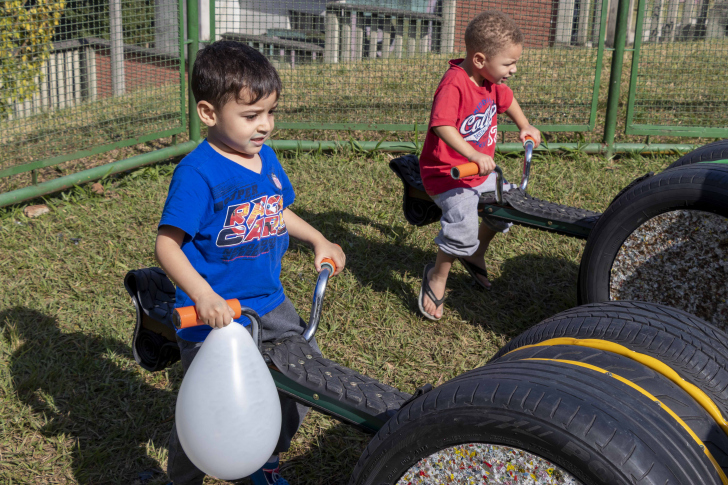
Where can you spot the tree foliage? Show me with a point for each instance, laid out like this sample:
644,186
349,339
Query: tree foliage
26,32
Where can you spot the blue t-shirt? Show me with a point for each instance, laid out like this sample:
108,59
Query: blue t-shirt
235,233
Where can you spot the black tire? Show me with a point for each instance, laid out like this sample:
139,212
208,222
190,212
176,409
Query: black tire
585,422
693,348
708,153
701,187
666,391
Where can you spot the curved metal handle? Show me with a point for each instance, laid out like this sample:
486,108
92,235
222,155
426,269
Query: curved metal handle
255,322
327,269
528,147
186,317
498,184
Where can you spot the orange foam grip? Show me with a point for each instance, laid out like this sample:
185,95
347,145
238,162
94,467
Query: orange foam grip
186,317
329,261
464,170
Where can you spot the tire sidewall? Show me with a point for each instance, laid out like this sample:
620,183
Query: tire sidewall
446,428
633,209
711,152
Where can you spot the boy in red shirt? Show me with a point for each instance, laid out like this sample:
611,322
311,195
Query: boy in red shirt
463,127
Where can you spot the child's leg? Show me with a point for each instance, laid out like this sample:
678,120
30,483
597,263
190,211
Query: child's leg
284,321
437,279
179,468
485,234
458,237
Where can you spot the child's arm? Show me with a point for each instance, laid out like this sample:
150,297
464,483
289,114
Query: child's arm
451,136
211,308
515,113
322,247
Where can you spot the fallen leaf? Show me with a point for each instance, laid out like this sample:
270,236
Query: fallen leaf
36,210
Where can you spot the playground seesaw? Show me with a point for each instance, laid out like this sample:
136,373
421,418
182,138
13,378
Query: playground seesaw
695,187
615,392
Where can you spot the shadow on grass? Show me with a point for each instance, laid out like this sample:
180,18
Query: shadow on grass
102,414
106,416
530,287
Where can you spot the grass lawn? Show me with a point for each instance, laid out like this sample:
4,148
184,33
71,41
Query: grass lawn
76,409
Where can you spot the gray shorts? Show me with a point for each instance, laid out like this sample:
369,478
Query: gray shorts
283,321
459,233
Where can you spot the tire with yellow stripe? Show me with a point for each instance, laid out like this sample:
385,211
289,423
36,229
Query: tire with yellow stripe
684,343
641,380
590,424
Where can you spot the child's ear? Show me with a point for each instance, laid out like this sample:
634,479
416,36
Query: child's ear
206,112
479,60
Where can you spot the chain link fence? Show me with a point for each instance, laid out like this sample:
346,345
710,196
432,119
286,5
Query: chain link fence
678,71
364,63
83,77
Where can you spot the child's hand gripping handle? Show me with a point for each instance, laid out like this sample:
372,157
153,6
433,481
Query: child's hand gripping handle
471,168
186,317
328,263
464,170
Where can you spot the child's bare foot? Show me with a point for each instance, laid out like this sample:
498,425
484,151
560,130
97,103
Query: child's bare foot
432,285
475,265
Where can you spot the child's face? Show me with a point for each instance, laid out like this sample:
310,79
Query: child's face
500,67
243,127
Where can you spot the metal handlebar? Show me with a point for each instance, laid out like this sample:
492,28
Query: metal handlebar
327,269
528,147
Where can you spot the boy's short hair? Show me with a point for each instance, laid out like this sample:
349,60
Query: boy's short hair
224,68
490,32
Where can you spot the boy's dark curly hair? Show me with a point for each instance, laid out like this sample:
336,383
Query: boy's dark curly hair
490,32
225,70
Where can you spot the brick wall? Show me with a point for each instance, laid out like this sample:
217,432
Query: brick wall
139,72
536,18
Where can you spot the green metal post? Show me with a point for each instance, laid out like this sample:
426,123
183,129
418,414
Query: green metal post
635,65
212,21
615,76
193,45
181,6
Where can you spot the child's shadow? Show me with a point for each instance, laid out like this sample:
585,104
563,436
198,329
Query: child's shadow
530,287
84,396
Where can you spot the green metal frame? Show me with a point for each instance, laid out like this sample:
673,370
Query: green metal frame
664,130
514,215
615,76
339,409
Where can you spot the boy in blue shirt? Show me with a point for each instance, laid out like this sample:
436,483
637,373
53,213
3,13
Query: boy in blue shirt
226,223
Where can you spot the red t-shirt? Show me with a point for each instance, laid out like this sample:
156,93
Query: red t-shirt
472,111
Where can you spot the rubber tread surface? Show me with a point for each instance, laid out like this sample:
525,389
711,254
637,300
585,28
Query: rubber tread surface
533,400
708,153
666,391
153,291
407,167
295,358
693,348
520,200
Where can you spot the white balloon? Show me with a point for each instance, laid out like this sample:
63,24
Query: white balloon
228,414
